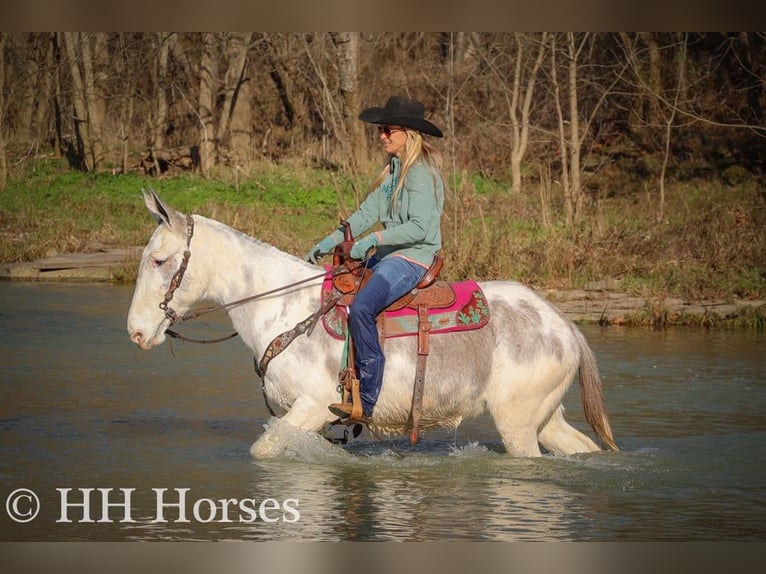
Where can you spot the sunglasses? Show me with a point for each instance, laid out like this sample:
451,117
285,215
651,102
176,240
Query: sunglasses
388,130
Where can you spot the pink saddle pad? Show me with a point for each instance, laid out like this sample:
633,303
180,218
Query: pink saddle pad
469,311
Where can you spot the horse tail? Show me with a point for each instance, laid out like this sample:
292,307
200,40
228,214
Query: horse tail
592,395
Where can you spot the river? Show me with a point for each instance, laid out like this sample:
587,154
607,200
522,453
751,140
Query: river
101,441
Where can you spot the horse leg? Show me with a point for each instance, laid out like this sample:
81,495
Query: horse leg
518,432
518,440
559,437
524,403
306,414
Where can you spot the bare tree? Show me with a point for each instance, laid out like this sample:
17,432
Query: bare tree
753,67
125,67
568,131
159,111
574,127
27,88
279,73
642,52
513,68
661,103
575,195
45,87
241,131
70,41
521,102
670,115
56,60
347,59
327,116
3,157
562,134
502,97
87,107
206,102
237,46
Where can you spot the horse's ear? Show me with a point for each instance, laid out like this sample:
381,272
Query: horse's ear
155,206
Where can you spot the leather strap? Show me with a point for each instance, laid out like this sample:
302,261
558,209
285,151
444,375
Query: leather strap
356,400
424,326
281,342
350,383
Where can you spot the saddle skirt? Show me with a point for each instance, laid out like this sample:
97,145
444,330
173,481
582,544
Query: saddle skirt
468,311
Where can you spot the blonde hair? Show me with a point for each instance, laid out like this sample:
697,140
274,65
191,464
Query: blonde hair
415,149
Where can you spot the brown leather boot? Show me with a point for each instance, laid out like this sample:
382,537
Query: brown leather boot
347,411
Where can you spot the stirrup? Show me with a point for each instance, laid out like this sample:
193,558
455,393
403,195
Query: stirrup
351,390
348,412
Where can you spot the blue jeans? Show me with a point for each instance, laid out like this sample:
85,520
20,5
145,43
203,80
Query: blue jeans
391,279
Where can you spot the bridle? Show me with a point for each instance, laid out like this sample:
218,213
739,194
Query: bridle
178,276
175,283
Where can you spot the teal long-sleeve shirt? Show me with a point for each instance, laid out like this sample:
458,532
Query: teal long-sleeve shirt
412,226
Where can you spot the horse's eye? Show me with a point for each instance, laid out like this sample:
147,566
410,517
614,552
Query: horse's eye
158,262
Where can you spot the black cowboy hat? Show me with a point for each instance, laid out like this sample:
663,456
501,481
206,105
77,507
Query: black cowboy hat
401,111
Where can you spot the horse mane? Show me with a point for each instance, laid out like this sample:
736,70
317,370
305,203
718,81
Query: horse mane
243,237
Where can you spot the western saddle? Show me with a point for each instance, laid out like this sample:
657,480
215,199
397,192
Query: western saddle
430,293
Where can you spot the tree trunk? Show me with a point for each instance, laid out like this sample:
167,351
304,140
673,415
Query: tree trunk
241,131
95,105
635,119
127,117
58,143
562,140
159,117
237,48
520,125
88,108
516,156
78,102
206,103
25,92
3,160
347,59
128,71
654,78
752,45
102,73
574,133
45,92
280,77
670,119
160,82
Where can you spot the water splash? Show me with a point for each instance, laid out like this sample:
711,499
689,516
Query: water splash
301,445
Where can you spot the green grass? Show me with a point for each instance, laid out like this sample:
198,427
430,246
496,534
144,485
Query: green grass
711,243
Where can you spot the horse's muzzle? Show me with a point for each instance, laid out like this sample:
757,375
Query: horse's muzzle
142,341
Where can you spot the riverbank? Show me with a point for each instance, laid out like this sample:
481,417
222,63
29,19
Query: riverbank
702,263
599,302
100,264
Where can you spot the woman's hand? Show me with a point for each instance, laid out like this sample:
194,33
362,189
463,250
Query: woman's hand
320,249
360,248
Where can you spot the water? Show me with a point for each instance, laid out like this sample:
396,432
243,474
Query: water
82,408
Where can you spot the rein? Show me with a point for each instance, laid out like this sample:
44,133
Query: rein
189,316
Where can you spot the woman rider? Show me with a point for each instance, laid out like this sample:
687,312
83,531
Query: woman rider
407,199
